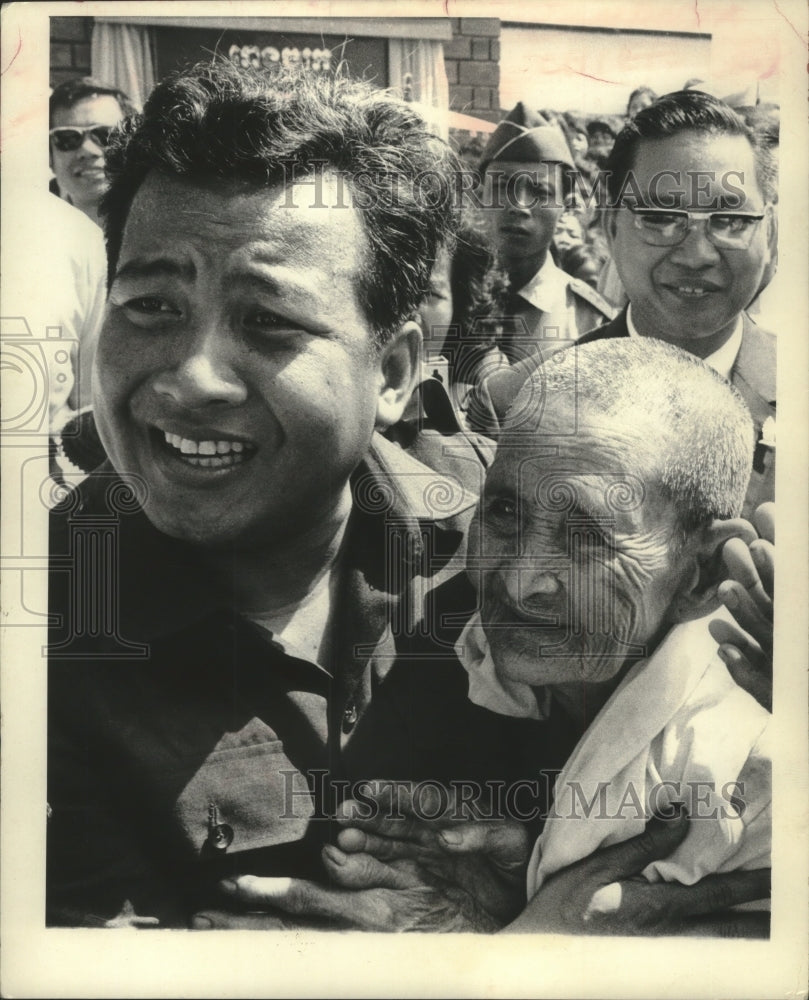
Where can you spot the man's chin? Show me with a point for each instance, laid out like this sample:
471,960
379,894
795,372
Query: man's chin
213,530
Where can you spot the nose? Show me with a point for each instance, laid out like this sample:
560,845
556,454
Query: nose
527,583
518,196
696,250
205,375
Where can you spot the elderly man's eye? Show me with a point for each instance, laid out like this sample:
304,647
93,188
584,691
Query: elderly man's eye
501,509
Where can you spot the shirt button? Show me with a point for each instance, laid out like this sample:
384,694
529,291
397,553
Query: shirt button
350,716
221,837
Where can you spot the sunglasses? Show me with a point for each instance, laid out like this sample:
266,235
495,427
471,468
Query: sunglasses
663,228
68,138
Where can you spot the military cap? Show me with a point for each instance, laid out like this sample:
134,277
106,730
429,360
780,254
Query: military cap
525,136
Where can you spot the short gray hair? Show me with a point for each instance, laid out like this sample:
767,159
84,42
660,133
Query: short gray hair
707,454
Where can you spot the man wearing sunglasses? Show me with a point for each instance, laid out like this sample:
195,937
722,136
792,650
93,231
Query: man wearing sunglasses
691,228
82,114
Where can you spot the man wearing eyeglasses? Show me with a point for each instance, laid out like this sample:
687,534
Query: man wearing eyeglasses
82,115
691,228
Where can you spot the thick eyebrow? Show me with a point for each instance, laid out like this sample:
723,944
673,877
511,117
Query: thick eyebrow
156,267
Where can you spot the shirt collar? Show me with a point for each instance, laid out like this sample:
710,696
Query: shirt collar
723,360
544,289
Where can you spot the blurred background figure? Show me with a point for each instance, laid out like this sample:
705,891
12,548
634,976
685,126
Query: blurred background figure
770,307
640,98
459,319
569,233
529,186
56,302
82,114
601,137
583,262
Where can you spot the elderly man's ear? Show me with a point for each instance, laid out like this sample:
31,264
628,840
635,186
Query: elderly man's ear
705,570
399,370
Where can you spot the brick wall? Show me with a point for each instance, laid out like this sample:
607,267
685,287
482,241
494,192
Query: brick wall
472,60
70,48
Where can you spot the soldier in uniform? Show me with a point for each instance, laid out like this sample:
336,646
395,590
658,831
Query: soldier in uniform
529,180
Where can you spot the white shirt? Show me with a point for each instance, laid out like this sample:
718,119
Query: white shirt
301,628
723,360
677,728
54,292
567,312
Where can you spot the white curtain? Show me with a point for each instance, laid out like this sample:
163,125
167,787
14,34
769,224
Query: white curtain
123,55
416,71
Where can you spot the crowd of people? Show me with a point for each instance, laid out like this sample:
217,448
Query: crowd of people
443,580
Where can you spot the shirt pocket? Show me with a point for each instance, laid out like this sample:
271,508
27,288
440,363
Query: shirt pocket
242,798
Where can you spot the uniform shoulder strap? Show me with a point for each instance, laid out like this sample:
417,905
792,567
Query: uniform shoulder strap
591,297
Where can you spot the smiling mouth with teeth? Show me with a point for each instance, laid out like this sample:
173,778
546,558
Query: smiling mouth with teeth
208,454
688,290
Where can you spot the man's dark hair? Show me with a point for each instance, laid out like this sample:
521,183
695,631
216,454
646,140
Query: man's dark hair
673,114
69,93
220,125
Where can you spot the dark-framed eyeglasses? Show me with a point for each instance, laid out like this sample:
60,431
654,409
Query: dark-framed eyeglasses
663,227
68,138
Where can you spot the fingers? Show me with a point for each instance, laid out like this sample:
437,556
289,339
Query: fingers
729,925
746,663
646,907
741,568
363,871
763,554
741,529
302,899
620,861
764,520
736,645
505,842
405,810
354,841
224,920
753,617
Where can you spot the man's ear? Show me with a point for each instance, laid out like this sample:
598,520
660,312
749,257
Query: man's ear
772,235
705,570
399,371
609,221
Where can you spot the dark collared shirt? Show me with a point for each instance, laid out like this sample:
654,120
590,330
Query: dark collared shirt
184,744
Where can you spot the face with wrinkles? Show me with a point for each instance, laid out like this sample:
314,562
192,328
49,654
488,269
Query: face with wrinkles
573,555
